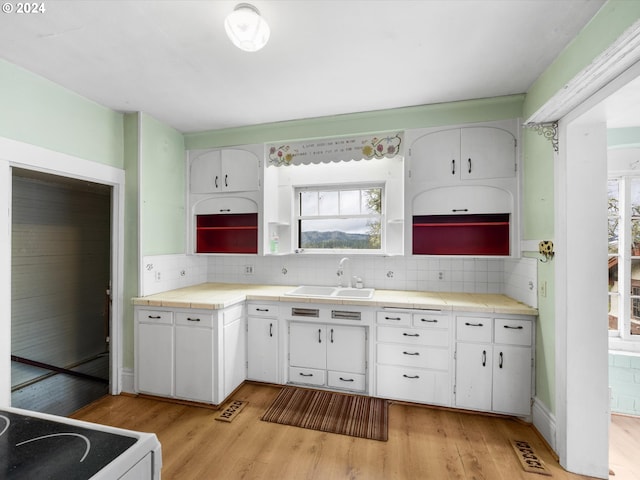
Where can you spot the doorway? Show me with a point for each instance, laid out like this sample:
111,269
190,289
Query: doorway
60,296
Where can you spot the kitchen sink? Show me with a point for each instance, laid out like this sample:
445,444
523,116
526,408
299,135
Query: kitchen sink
330,292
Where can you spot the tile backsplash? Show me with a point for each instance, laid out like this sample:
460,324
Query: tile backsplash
516,278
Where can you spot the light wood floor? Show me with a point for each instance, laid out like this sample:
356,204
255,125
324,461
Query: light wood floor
424,443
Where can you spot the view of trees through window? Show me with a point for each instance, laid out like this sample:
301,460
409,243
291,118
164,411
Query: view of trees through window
340,218
624,255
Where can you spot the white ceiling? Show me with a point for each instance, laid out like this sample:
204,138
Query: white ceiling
172,60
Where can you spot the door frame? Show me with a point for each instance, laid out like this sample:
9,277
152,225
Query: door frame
30,157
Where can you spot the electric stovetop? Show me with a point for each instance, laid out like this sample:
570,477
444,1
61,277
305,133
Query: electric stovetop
36,448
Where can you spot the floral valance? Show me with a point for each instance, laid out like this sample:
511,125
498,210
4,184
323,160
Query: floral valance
335,149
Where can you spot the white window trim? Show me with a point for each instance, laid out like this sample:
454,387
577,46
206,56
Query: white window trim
340,187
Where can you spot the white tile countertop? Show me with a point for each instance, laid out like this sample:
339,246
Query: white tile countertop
214,296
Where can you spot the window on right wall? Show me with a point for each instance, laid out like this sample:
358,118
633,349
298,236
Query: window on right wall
624,257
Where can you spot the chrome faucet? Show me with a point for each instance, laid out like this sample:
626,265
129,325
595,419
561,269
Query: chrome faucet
341,271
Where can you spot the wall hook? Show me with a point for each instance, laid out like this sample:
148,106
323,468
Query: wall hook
545,248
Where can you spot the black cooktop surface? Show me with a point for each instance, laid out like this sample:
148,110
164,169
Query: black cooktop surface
35,448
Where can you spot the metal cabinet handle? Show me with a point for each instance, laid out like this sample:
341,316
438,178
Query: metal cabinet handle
319,337
453,167
216,181
469,165
410,376
262,309
411,334
429,320
484,358
306,374
226,183
154,317
392,318
225,209
519,327
193,319
271,329
332,335
411,353
460,210
346,379
501,360
474,324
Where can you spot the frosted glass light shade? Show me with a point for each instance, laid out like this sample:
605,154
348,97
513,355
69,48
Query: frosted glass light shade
246,28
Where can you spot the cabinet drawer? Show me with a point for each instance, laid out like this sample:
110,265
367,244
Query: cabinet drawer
155,316
413,336
513,332
474,329
413,384
394,318
413,356
194,319
258,310
310,376
431,320
348,381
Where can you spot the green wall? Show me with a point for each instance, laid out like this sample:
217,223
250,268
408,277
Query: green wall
39,112
162,188
469,111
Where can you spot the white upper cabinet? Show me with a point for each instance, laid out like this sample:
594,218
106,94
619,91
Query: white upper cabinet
227,170
471,153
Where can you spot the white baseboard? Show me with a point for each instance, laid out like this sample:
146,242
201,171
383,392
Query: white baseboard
127,381
545,422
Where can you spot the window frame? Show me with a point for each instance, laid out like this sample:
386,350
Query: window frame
298,189
626,295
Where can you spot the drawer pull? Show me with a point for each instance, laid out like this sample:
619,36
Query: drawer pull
346,379
262,309
484,358
411,353
319,335
225,210
411,334
410,376
193,319
271,329
429,320
306,374
392,318
332,335
154,317
519,327
474,324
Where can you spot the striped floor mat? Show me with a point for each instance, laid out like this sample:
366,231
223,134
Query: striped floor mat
354,415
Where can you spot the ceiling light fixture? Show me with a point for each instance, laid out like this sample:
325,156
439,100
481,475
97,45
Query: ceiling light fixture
246,28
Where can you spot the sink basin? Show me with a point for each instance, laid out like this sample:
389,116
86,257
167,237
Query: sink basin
354,293
330,292
312,291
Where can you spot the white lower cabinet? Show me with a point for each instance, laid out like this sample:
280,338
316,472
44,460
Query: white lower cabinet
413,356
263,359
154,352
331,356
494,366
188,354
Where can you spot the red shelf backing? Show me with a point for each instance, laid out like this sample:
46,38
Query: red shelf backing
228,233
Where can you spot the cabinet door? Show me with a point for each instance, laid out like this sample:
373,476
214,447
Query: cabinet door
204,173
194,363
155,359
512,379
262,354
473,375
239,171
307,345
435,157
346,348
234,342
487,152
